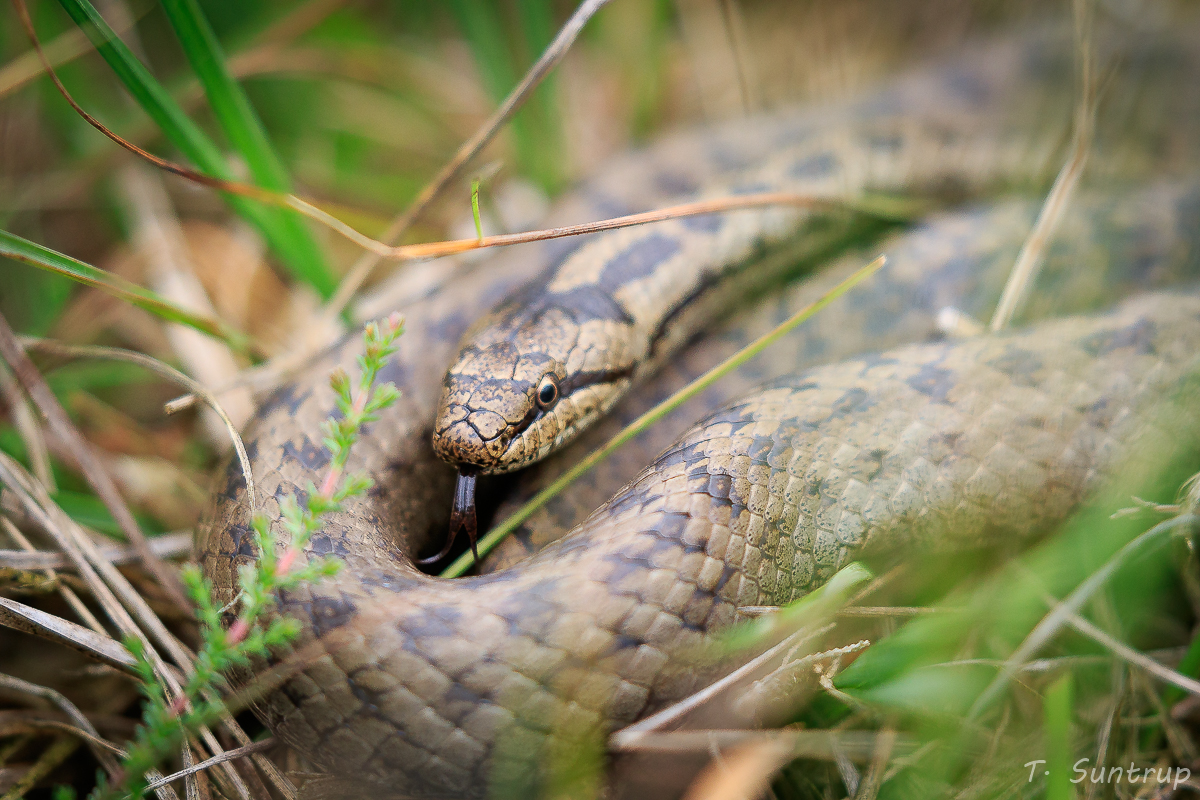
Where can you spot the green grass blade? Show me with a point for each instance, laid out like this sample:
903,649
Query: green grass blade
182,132
238,119
1190,666
485,32
538,27
1057,710
18,249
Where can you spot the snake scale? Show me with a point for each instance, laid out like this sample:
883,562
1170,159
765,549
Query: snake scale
459,688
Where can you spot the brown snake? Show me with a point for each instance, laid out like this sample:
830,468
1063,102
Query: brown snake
429,687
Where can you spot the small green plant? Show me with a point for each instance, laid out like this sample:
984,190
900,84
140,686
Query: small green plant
165,722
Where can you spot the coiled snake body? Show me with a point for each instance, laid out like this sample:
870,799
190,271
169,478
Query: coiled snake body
436,687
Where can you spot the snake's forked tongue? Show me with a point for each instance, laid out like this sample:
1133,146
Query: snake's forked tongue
462,516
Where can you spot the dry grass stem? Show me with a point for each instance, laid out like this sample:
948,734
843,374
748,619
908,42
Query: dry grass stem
167,545
228,755
1127,653
1052,623
195,389
629,736
65,48
26,424
887,611
456,246
103,754
86,556
1029,260
89,464
58,751
68,594
764,694
858,746
885,745
96,645
157,234
554,53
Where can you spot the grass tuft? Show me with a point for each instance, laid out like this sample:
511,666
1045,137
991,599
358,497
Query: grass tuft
293,245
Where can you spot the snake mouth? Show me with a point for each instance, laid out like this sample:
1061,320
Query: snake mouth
474,441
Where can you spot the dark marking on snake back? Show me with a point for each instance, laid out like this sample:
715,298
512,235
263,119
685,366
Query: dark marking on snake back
933,381
1139,336
235,481
821,165
640,259
290,397
701,287
703,223
585,303
308,454
243,542
322,544
1018,364
675,184
329,613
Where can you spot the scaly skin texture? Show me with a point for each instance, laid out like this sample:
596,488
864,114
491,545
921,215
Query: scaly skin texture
606,315
556,355
1107,246
426,687
435,686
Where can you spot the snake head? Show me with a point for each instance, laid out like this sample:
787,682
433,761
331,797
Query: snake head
524,382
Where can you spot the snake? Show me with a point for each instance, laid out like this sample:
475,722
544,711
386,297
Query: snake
410,685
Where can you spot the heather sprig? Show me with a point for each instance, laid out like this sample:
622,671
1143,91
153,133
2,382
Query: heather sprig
164,721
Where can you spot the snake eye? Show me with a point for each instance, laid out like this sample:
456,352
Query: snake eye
547,392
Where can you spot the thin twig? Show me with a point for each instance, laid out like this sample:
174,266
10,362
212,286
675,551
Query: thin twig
1117,699
167,545
455,246
1030,259
103,755
41,723
1140,660
554,53
58,751
628,737
735,30
95,644
67,593
1050,624
63,49
888,611
26,424
885,744
228,755
857,745
157,232
765,691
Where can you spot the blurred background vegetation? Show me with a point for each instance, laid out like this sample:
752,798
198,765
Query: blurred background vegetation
356,104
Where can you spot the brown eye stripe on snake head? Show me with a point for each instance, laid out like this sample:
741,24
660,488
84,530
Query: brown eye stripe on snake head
429,688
